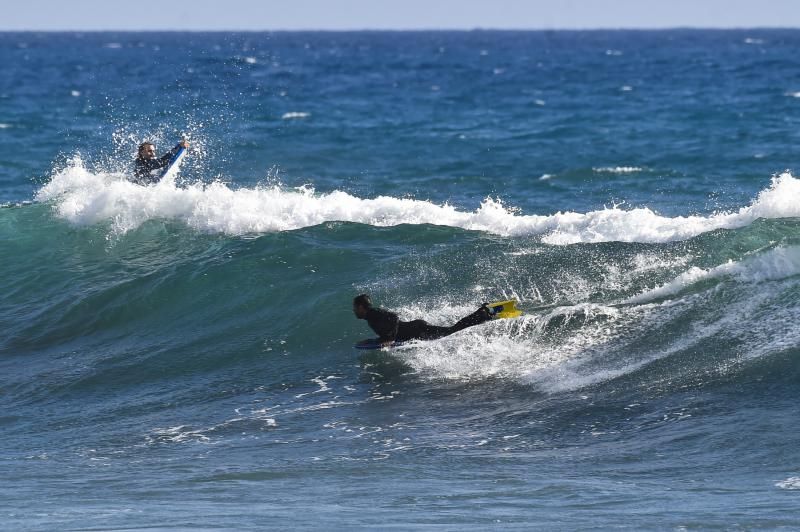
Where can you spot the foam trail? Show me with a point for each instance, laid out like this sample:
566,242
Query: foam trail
519,349
572,347
84,198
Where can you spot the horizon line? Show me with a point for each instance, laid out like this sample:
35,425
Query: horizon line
401,30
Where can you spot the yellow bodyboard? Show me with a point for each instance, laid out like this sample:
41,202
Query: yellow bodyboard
505,309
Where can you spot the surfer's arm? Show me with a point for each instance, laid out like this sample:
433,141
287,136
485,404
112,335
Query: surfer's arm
167,157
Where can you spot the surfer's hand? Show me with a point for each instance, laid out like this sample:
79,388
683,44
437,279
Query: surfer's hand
184,143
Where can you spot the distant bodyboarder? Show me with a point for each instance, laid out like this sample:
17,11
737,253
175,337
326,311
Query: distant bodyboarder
391,330
147,162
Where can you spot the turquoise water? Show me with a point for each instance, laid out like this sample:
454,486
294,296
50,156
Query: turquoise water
180,355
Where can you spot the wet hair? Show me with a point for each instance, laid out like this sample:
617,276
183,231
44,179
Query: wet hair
143,145
362,300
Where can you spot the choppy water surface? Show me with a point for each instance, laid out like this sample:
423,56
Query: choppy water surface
180,355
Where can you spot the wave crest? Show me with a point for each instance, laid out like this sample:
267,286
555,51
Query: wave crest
84,198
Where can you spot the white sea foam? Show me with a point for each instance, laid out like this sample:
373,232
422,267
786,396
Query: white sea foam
521,349
84,198
684,280
178,434
295,115
791,483
618,169
4,126
773,265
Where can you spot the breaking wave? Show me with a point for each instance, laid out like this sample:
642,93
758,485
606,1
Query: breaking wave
83,197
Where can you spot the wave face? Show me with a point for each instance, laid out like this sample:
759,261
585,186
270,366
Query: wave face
181,355
594,308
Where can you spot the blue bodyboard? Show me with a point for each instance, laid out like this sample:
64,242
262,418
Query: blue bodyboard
171,171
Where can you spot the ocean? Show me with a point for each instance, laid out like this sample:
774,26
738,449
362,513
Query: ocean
180,356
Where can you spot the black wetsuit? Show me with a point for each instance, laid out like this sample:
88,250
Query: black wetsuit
391,329
143,168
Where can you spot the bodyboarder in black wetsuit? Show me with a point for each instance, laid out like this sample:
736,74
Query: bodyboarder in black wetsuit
390,329
146,162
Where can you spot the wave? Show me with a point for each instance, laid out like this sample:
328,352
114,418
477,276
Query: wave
775,264
704,324
583,347
85,198
595,315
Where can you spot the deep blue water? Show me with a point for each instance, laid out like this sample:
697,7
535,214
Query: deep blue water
180,355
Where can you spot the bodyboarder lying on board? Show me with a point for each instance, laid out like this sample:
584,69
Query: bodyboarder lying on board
147,162
391,330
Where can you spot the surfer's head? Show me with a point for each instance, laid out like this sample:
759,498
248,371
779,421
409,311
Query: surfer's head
361,304
147,150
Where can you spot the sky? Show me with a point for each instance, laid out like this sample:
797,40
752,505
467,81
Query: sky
88,15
